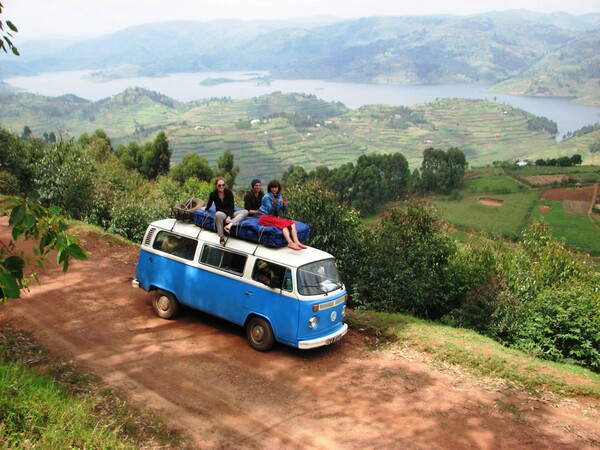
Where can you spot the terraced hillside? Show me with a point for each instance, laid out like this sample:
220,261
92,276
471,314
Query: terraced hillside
269,133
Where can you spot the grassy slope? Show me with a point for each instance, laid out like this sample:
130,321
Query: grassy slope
477,354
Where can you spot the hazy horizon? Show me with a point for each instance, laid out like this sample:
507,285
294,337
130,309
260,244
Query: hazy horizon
75,18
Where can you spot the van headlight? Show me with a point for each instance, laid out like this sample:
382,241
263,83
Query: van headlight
343,311
313,322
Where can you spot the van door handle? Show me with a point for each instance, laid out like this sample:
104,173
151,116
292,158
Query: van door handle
249,293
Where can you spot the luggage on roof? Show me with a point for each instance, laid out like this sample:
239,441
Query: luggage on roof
249,229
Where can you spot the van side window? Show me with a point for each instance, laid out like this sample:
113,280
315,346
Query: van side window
272,275
223,259
175,245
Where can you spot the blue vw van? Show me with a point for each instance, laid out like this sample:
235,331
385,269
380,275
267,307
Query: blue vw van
277,294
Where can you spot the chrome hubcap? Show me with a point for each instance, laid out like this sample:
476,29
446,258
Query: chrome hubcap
258,333
163,303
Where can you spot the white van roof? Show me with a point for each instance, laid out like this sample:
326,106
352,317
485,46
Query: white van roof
284,255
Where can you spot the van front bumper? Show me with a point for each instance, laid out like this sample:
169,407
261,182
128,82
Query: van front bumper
325,340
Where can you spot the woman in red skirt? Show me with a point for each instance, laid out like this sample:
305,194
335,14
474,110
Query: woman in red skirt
273,205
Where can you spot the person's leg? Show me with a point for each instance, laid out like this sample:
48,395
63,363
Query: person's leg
238,216
291,243
294,235
219,219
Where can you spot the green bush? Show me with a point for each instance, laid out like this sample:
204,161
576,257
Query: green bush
334,228
548,301
64,176
408,264
563,324
475,284
130,216
193,187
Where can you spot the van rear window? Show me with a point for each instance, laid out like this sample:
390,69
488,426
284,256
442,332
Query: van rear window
223,259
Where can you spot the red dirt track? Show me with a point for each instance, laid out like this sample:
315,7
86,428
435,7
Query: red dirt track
199,374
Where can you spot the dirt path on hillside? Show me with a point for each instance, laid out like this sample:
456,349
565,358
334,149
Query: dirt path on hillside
199,374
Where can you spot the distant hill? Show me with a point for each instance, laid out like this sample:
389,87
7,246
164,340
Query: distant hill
267,134
484,48
573,70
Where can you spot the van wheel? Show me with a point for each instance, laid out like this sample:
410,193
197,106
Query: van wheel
260,334
165,304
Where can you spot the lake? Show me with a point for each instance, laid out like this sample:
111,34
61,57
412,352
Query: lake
186,87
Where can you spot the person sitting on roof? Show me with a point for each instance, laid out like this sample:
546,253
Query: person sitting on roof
273,205
225,216
253,198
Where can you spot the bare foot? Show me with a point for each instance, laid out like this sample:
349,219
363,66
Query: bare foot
299,244
294,247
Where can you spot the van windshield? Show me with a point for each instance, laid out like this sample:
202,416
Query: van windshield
319,277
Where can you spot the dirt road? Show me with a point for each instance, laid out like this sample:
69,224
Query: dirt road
200,375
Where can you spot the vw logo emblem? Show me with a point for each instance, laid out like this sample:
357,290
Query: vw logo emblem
333,316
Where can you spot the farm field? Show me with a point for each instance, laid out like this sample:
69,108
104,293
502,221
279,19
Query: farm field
566,211
500,214
498,204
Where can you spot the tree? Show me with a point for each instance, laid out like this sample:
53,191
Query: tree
192,165
442,171
6,27
227,168
27,133
457,164
295,174
576,160
564,161
156,158
131,156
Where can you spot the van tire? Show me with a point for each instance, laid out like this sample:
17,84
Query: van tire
260,334
165,304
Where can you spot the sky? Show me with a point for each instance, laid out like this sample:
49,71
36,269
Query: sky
80,18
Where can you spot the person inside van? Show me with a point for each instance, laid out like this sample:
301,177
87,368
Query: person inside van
272,208
253,198
266,275
225,216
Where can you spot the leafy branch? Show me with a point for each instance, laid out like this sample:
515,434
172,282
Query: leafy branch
30,220
5,35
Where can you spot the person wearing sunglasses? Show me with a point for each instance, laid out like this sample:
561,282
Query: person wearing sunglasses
225,216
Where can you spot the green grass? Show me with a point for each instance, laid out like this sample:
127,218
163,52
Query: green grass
45,403
507,219
478,355
499,184
580,231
